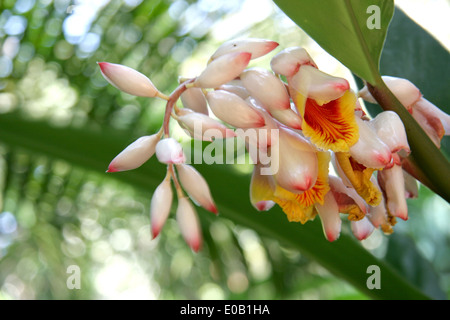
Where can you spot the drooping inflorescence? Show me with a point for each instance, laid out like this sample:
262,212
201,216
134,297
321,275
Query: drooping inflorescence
298,120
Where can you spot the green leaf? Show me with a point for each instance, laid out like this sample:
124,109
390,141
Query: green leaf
341,27
93,150
403,255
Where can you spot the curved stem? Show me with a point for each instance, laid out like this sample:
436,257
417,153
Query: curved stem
173,98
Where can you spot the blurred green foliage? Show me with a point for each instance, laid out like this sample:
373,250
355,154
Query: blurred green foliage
55,213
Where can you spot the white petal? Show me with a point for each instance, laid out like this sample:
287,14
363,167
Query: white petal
288,117
160,206
315,84
337,186
236,87
330,218
232,109
189,224
390,129
425,106
169,151
369,150
196,186
405,91
128,80
257,47
296,162
265,87
288,61
222,70
194,99
135,154
393,183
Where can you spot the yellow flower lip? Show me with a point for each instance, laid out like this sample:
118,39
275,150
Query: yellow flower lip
331,125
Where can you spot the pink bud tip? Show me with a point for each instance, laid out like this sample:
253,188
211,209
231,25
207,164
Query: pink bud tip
262,205
103,65
342,86
112,169
212,208
196,245
155,232
384,158
245,57
271,45
304,185
331,236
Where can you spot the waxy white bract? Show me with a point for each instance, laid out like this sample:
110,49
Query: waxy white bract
135,154
128,80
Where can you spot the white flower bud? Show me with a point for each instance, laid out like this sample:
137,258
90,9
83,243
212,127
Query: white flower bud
128,80
330,218
265,87
288,61
135,154
160,206
234,110
393,183
370,150
223,69
194,99
189,224
256,47
196,186
404,90
296,162
390,129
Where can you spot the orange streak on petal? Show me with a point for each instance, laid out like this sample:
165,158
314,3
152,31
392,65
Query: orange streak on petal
332,125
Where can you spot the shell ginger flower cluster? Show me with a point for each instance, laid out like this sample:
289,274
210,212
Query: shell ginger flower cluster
304,120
